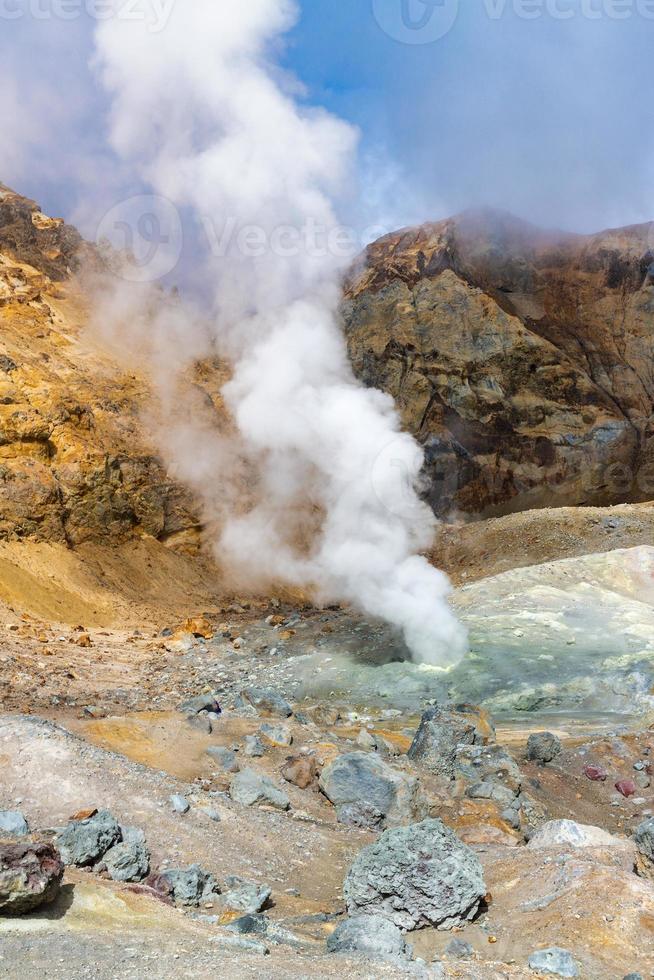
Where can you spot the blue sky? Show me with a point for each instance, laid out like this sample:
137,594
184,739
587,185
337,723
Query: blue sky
549,116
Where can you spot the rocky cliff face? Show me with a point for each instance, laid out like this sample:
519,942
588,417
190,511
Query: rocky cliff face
75,462
522,360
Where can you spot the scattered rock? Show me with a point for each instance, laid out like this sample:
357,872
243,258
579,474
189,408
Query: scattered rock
595,773
84,842
250,788
325,715
554,962
266,700
179,803
201,723
187,886
203,702
372,935
245,897
365,740
491,791
489,764
127,861
459,949
300,770
437,739
279,735
416,876
13,823
360,778
644,840
567,833
254,747
30,876
226,758
626,787
543,747
362,815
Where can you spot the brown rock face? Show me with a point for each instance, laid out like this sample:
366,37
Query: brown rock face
522,360
76,463
30,876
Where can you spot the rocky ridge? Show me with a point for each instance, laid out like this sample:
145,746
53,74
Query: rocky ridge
521,359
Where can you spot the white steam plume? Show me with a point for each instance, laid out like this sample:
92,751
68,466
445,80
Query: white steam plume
211,124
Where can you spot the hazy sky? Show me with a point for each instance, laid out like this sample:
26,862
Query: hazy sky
544,108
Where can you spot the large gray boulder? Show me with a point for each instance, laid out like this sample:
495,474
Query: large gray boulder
127,861
190,886
416,876
84,842
251,788
371,935
30,876
543,747
366,780
246,897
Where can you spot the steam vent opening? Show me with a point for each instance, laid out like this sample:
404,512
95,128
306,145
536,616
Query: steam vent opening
326,490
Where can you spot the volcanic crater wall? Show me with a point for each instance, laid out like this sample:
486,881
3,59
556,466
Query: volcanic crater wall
75,461
521,360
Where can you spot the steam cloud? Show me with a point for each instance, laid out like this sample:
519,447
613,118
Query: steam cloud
210,122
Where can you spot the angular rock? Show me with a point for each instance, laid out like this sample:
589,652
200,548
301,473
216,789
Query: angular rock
362,815
254,747
300,770
554,962
84,842
200,722
562,833
243,896
225,758
13,823
189,886
644,840
265,700
416,876
491,791
361,778
179,803
201,703
595,773
458,949
543,747
127,861
250,788
279,735
371,935
437,739
488,764
30,876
